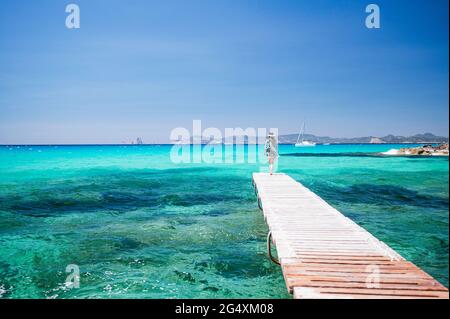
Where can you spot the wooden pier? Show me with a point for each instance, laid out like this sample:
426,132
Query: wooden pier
324,254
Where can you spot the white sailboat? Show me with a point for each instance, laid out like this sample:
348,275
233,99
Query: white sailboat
301,142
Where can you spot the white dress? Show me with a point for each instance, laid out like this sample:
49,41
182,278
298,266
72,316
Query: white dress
271,147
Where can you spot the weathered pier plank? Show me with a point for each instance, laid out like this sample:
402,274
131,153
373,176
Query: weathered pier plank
324,254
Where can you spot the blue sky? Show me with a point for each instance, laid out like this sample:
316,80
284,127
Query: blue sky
142,68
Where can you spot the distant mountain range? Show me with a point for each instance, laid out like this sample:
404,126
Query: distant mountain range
418,138
292,139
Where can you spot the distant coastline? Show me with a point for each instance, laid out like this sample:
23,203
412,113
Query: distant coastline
286,139
428,138
205,143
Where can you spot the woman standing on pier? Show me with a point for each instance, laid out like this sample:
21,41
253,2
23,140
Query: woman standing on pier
271,150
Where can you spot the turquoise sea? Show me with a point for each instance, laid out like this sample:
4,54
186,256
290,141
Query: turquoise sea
140,226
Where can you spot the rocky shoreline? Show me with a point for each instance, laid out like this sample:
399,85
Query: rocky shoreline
426,150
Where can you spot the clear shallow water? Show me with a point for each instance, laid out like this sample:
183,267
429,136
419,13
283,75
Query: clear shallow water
140,226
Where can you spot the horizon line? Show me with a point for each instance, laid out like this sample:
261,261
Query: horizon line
171,144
